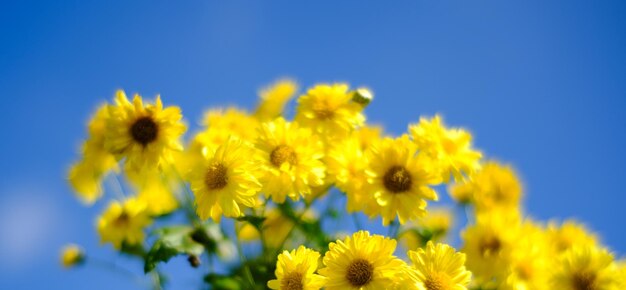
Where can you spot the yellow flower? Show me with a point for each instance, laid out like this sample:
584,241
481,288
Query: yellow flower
328,110
72,255
156,192
274,99
295,270
85,176
488,245
432,227
568,235
362,262
123,223
221,124
346,162
399,180
226,180
440,267
292,160
450,149
368,135
530,260
145,135
494,186
588,268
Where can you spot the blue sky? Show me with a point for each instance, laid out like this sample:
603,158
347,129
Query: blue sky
541,84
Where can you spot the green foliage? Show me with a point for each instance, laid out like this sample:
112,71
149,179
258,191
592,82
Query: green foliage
171,241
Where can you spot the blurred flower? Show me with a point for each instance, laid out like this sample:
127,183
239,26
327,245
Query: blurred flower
488,244
588,268
450,149
124,223
346,162
85,176
434,226
72,255
494,186
292,159
274,99
568,235
296,270
329,111
530,260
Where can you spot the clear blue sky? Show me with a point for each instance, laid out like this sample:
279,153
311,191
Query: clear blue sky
541,84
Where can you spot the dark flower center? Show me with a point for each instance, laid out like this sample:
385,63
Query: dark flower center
397,179
490,245
144,130
292,281
360,273
281,154
584,281
216,176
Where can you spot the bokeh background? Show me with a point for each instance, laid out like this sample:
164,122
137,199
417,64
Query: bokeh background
541,84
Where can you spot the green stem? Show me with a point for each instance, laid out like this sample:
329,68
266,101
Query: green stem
244,262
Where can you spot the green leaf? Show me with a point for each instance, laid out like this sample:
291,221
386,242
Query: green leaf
158,253
222,282
172,241
256,221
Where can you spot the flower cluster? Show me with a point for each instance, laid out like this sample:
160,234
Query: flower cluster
266,179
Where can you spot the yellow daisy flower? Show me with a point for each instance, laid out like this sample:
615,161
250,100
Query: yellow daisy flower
226,180
329,110
221,124
399,179
85,176
144,135
588,268
432,227
440,267
274,99
346,163
123,223
292,159
494,186
156,191
568,235
295,270
368,135
488,245
72,255
530,260
450,149
362,262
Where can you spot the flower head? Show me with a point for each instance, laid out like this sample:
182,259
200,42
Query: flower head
399,180
329,110
440,267
123,223
450,149
362,261
274,99
292,160
72,255
226,180
586,268
295,270
85,176
145,135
